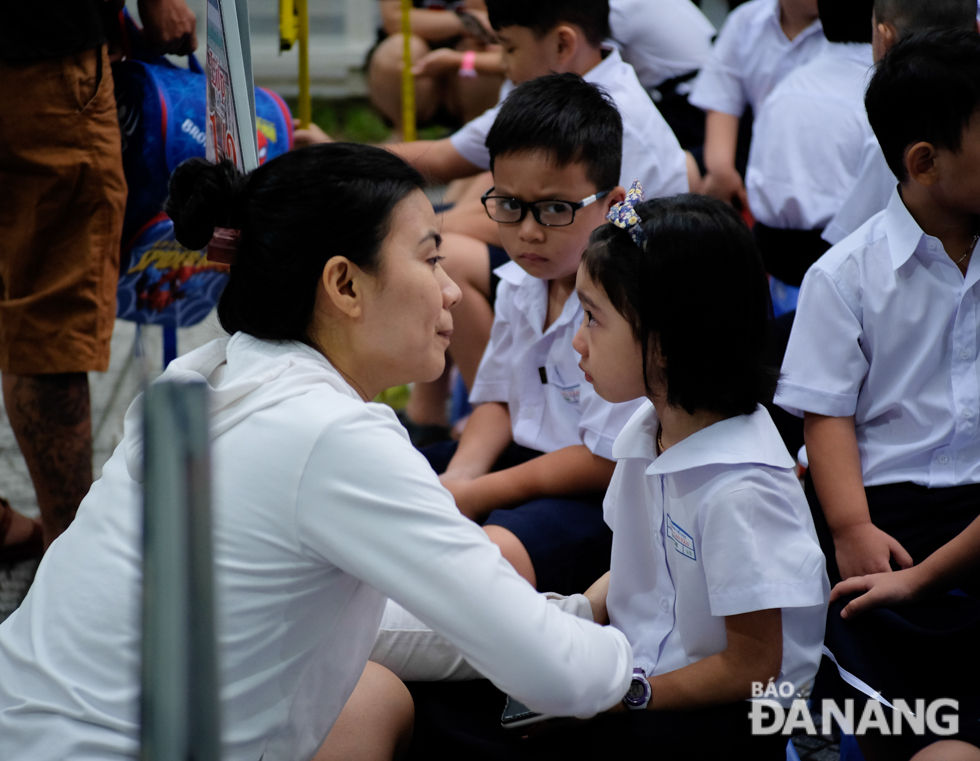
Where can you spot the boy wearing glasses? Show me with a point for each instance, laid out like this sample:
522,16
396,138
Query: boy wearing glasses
536,456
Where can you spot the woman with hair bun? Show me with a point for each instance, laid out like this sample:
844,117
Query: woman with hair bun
321,506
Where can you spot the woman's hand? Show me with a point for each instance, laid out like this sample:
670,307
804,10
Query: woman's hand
863,548
879,589
596,595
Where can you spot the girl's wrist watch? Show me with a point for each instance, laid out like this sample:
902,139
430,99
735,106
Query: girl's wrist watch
638,695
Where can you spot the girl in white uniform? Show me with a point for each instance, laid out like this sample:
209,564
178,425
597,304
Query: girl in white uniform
717,578
321,506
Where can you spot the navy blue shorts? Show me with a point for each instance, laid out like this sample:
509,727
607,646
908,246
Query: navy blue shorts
567,540
498,257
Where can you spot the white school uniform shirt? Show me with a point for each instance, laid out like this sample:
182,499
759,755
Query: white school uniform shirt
651,152
808,138
715,526
321,507
660,39
874,186
536,372
887,330
750,56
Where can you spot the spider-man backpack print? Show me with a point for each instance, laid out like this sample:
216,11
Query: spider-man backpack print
162,112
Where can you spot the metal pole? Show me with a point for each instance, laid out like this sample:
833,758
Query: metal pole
179,702
305,106
408,80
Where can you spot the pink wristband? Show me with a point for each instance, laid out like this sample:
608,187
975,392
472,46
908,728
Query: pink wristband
467,68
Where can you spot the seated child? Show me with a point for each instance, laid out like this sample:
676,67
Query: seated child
893,20
882,359
666,42
555,154
540,38
449,32
807,141
761,42
717,578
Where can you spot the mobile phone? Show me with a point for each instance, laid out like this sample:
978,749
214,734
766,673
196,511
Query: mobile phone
516,714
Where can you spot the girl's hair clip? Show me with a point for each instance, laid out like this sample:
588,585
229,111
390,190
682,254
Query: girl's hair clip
624,215
224,245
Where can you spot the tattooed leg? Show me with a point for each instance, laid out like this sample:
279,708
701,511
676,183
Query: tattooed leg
52,419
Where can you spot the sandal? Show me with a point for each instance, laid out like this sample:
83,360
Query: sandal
31,547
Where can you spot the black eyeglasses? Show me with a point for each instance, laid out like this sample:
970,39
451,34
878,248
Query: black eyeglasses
553,213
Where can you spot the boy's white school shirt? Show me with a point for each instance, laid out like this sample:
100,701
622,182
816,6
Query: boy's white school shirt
715,526
808,140
536,372
873,187
887,329
660,39
651,152
321,508
751,55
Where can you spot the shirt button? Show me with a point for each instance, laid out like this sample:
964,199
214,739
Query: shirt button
665,605
943,459
966,354
967,414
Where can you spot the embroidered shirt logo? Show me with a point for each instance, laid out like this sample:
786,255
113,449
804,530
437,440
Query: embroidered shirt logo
683,541
569,393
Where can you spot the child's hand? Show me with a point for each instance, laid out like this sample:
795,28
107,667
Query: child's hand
438,62
880,589
309,136
467,496
863,548
725,186
596,595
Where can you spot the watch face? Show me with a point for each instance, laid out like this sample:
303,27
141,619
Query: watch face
636,692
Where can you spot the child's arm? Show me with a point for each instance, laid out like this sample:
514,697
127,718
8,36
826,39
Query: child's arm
722,180
428,24
436,159
934,575
485,437
754,654
835,466
571,470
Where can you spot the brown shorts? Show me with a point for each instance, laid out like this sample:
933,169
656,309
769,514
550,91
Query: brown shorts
62,198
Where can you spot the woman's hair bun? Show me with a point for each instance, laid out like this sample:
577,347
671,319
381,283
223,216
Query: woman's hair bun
202,196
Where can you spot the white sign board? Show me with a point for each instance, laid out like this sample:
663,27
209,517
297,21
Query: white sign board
230,94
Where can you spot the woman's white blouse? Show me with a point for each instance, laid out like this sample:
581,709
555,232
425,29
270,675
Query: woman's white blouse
321,509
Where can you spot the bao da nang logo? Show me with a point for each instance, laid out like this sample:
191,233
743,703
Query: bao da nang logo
769,716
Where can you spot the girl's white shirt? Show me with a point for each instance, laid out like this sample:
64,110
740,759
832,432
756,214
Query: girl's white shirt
715,526
321,508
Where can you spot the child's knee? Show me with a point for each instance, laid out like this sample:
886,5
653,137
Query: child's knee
513,551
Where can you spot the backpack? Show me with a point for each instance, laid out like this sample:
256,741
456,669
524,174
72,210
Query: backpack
162,111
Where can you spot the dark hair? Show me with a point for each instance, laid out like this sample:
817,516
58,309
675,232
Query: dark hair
541,16
574,121
697,292
846,20
295,213
908,16
926,88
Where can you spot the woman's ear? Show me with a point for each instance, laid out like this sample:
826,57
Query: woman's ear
343,284
920,162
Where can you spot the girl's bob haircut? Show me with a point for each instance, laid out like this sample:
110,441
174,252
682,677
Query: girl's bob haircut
697,298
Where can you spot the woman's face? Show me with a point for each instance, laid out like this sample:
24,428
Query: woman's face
406,323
